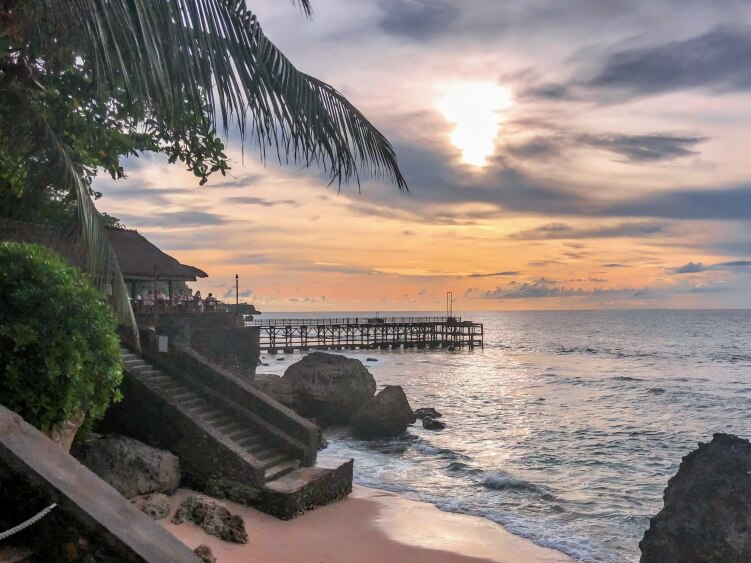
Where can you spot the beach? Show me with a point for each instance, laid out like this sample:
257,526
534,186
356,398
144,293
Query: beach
369,526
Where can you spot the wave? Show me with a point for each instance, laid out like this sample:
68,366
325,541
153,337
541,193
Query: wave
499,480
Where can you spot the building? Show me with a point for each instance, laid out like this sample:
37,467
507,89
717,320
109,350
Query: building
144,267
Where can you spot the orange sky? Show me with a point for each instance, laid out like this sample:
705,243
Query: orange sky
592,193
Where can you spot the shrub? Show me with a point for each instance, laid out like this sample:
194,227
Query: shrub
59,353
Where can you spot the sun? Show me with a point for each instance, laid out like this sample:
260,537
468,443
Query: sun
474,108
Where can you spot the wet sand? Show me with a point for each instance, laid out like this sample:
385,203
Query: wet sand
369,526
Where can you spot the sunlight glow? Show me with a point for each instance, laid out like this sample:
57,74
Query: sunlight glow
474,107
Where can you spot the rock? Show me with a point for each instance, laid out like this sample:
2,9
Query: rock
213,517
430,423
276,387
371,360
280,359
205,554
707,511
329,387
130,466
427,411
156,506
63,433
387,414
322,443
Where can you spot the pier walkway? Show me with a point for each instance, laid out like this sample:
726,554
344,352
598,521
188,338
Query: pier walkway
349,333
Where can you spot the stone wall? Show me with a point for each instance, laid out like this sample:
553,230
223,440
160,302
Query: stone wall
91,522
221,337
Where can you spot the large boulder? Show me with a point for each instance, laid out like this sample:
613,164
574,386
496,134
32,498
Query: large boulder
385,415
213,517
130,466
328,387
276,387
707,511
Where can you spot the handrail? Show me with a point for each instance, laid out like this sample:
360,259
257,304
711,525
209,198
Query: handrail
350,321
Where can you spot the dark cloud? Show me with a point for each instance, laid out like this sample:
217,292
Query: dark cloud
715,60
719,203
697,267
544,288
174,219
494,275
612,265
417,19
554,231
644,148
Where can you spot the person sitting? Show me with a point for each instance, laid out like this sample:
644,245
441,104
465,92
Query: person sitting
161,296
149,300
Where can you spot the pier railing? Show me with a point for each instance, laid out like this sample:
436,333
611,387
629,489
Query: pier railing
367,333
334,321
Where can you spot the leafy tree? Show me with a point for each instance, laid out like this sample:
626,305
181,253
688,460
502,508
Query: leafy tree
59,353
86,82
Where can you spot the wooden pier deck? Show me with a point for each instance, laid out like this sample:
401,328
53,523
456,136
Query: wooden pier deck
288,335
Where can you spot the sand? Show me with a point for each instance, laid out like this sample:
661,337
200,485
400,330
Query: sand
369,526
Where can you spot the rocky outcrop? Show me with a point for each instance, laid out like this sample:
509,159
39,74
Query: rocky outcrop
130,466
707,511
328,387
385,415
213,517
156,506
205,554
430,423
427,411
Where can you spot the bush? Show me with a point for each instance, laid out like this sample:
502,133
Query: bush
59,353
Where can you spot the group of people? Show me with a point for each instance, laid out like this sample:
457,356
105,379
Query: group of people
147,298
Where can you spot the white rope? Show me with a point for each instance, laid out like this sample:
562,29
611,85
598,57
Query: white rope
29,522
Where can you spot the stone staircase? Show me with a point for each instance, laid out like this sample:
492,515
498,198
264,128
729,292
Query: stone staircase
233,441
265,452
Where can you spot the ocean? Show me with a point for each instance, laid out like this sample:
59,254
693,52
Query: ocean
567,426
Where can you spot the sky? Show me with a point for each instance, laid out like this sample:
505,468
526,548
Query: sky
560,155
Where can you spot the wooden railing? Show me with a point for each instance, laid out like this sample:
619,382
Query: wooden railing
351,321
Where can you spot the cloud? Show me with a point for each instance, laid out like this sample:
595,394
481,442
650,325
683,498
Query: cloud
718,203
494,275
555,231
417,19
186,218
644,148
253,258
544,288
697,267
251,200
612,265
714,61
241,181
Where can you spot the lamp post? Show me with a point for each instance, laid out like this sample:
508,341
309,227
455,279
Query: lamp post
237,293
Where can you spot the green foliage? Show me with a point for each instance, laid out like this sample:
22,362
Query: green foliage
59,353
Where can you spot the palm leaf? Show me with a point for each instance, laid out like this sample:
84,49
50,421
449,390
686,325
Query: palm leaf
168,51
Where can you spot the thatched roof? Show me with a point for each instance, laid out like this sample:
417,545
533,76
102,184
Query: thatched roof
138,258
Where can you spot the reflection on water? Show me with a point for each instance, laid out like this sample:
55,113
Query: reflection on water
567,426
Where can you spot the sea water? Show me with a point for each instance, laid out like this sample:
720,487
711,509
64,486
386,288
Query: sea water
567,426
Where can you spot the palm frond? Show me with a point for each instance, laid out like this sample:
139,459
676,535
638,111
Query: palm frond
88,236
167,51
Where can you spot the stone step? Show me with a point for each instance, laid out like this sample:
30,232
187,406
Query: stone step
204,411
276,460
281,469
265,452
250,441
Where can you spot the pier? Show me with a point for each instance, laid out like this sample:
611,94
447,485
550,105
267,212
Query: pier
288,335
